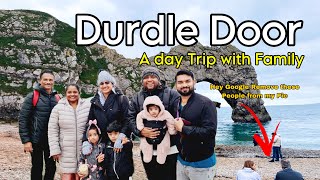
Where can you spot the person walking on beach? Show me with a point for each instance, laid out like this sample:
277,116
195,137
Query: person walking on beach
33,125
197,124
287,173
276,148
248,172
151,85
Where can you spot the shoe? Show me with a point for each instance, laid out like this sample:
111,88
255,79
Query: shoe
271,160
277,160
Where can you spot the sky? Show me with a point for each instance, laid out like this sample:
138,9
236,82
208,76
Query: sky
307,38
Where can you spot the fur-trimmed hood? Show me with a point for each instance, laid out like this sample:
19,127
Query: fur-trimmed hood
153,100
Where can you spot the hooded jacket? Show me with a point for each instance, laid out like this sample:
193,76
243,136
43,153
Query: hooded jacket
164,118
135,107
95,168
33,121
66,126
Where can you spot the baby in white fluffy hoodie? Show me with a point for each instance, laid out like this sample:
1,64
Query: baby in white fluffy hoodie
154,115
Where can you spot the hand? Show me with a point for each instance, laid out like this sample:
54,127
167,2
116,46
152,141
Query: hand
118,143
150,133
178,124
117,150
125,140
28,147
80,175
56,157
100,158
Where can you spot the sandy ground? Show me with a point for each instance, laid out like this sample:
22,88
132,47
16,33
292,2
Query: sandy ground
15,164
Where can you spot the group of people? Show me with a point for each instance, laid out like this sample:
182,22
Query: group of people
90,138
249,172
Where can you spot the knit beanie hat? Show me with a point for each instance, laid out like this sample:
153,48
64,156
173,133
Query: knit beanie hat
151,71
105,76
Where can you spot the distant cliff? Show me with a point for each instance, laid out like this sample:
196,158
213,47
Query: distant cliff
33,40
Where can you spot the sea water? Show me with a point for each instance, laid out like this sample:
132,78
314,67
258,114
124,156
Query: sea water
299,127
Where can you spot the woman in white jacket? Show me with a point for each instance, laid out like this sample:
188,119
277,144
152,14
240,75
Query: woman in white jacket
66,126
248,172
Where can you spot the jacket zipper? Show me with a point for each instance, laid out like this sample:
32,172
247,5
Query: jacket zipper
114,164
179,115
75,115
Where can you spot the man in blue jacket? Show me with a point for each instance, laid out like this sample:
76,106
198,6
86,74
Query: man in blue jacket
287,173
197,125
33,126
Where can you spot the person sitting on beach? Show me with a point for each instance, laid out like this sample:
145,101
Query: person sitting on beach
287,173
248,172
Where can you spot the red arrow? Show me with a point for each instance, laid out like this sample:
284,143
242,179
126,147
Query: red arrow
264,145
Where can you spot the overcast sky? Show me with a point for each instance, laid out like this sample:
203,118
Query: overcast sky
307,38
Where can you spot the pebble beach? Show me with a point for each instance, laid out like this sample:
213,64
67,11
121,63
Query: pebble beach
15,164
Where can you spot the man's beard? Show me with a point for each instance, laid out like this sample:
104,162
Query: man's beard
191,90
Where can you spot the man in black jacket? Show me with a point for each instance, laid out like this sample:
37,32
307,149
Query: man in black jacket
152,86
33,126
287,173
197,124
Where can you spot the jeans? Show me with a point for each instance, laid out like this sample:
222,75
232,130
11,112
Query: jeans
275,153
191,173
156,171
40,151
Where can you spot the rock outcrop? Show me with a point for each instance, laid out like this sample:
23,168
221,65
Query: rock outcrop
33,40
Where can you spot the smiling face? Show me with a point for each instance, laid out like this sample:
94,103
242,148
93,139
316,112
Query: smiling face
47,81
185,84
150,82
105,87
72,94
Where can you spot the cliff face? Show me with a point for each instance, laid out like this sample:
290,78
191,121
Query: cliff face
33,40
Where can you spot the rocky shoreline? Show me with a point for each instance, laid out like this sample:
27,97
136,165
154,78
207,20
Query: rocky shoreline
16,164
256,152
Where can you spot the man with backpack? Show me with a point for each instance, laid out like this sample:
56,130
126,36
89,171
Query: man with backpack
33,125
153,86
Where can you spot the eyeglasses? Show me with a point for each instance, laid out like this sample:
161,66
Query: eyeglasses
106,82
